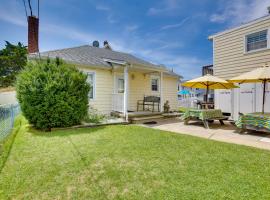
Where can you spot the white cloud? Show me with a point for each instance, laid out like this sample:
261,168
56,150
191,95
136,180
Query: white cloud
108,11
218,18
240,11
7,17
170,26
164,7
12,14
131,28
111,19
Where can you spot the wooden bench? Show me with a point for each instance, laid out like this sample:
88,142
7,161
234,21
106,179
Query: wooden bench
151,101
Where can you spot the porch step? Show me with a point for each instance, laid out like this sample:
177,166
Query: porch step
142,119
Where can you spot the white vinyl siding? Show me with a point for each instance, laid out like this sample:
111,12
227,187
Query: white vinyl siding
256,41
230,57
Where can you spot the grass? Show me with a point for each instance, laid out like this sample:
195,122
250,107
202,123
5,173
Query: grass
131,162
7,142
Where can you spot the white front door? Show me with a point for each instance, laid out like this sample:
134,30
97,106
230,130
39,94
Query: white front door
118,93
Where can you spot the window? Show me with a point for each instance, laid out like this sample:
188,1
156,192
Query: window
91,79
256,41
155,84
120,85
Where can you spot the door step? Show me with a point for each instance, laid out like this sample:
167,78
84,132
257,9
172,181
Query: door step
143,119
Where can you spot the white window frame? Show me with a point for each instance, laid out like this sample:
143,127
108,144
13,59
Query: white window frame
94,84
158,84
256,50
117,84
118,76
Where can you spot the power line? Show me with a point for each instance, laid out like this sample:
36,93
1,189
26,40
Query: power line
30,7
38,8
25,9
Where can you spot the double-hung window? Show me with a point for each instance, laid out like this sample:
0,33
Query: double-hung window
155,84
91,80
256,41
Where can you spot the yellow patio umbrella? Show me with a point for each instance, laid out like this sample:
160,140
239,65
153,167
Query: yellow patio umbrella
209,82
261,74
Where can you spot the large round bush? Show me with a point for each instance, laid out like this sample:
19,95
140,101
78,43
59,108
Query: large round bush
52,95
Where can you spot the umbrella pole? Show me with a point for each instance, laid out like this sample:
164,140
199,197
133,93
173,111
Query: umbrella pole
264,84
207,88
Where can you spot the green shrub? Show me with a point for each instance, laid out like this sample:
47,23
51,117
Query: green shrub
52,95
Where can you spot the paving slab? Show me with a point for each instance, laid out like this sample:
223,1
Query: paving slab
225,133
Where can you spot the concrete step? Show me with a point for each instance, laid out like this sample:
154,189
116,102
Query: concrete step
136,120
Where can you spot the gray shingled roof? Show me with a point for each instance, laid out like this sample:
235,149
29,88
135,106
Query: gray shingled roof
94,56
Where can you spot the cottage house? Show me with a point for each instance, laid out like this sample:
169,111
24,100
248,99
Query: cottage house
236,51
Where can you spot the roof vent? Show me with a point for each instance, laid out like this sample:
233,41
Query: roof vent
96,44
268,8
106,45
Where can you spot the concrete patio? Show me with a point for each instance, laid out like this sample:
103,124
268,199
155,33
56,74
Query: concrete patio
226,133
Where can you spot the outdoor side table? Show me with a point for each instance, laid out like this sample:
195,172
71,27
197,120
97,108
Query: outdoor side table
204,116
254,121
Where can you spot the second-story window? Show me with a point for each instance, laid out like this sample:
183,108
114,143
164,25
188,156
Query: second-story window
256,41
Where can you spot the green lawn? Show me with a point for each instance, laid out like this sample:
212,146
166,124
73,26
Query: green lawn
131,162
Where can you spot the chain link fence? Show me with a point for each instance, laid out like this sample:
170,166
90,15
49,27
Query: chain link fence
8,113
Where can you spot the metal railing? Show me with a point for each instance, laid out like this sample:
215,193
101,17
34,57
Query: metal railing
8,112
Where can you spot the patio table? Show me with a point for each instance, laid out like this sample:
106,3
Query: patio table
255,121
204,116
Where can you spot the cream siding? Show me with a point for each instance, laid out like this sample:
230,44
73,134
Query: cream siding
170,87
139,86
104,89
230,58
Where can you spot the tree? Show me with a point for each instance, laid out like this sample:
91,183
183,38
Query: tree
13,59
52,94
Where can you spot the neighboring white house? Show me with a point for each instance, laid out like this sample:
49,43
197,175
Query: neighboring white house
236,51
119,80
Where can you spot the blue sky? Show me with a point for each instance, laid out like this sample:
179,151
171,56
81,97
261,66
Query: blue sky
169,32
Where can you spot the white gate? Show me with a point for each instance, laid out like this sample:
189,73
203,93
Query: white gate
187,102
247,98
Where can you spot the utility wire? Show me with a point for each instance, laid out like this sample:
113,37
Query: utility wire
30,7
25,10
38,8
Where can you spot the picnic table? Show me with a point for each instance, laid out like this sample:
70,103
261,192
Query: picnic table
204,115
254,121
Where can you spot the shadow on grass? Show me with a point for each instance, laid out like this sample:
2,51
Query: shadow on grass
64,132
